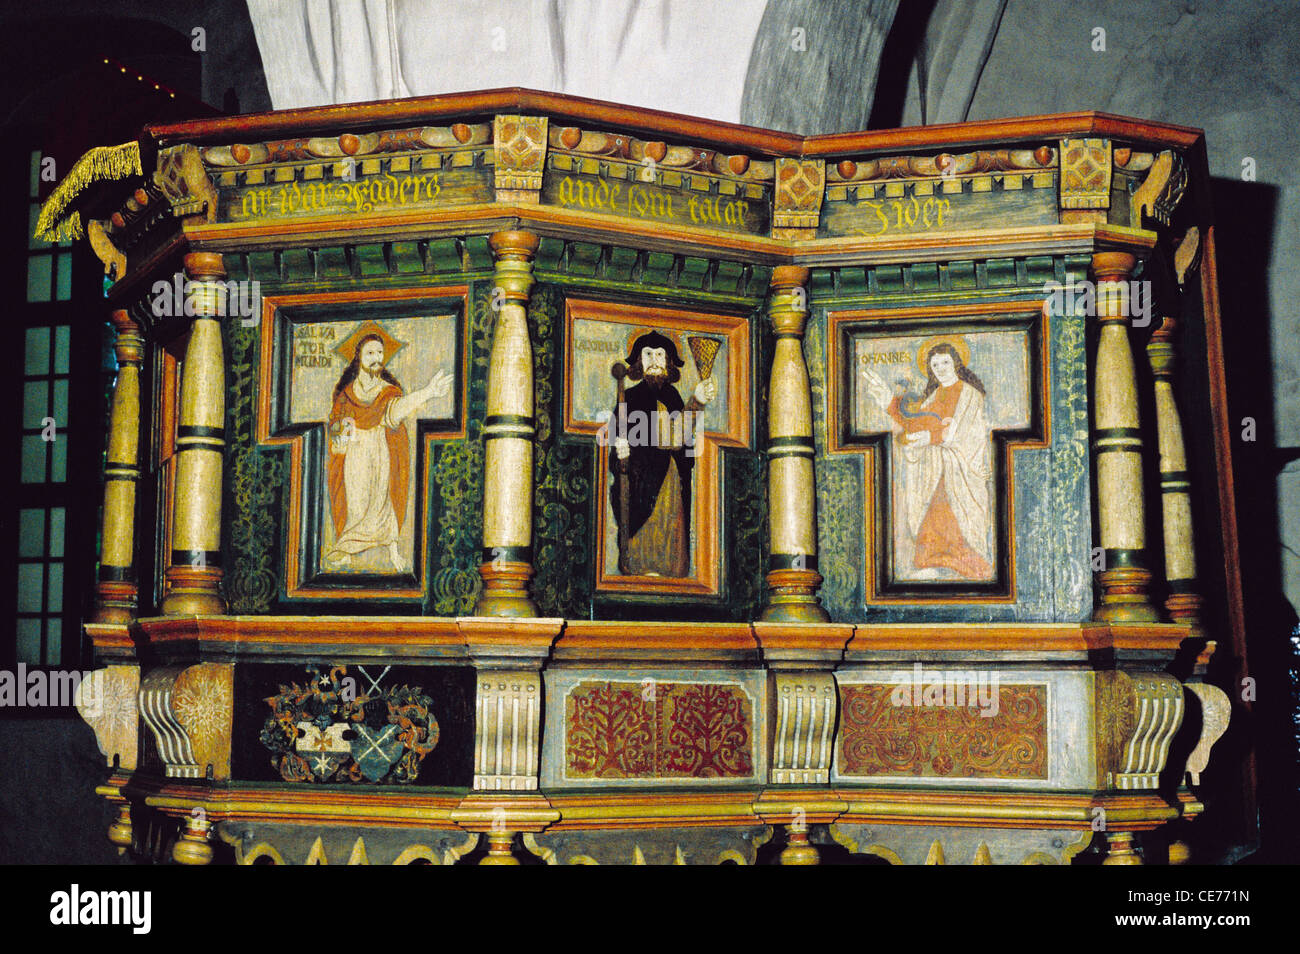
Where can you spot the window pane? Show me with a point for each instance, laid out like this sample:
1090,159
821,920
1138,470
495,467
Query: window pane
56,531
61,403
62,338
31,532
38,351
35,174
64,289
34,450
34,213
59,463
54,591
53,642
39,276
36,403
29,641
31,587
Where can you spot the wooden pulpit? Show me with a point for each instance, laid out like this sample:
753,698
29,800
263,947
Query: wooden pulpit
509,476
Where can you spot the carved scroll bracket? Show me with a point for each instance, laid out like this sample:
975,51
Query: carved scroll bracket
190,711
1161,191
1137,716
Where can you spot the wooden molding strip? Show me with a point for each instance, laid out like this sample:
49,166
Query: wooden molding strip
416,636
431,110
640,810
1083,238
1034,637
1132,812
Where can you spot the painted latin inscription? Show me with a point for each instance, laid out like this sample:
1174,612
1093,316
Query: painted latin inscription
917,208
903,215
343,196
654,203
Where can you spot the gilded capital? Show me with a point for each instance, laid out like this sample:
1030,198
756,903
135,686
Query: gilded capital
514,262
788,305
203,266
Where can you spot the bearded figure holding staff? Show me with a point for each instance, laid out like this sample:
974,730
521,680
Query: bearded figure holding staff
654,450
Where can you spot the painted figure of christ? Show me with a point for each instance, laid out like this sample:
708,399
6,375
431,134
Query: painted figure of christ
369,455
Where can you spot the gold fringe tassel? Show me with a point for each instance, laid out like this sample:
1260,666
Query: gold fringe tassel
101,163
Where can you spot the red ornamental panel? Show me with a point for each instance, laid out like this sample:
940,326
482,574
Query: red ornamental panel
883,734
658,730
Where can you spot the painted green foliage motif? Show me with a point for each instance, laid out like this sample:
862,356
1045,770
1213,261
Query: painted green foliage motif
562,488
253,483
458,478
839,533
745,494
1071,551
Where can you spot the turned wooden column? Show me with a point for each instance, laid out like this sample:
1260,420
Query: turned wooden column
193,846
1120,849
1183,601
116,593
508,436
792,492
194,574
1117,452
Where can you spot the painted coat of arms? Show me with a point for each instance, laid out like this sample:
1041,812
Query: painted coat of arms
330,730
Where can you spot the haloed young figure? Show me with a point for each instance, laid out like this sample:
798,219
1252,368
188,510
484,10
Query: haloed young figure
653,455
942,467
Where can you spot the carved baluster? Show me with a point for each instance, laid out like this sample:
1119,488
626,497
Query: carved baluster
508,436
1183,602
1117,442
194,576
792,492
193,846
500,849
799,850
120,832
116,591
1120,849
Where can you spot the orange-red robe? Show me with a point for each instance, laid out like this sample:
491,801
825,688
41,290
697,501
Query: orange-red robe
367,416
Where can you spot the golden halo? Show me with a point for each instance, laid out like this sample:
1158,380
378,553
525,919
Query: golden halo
631,340
346,348
958,343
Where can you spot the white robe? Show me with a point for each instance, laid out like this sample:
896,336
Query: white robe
963,461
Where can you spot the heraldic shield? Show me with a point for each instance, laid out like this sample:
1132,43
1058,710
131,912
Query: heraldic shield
328,730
